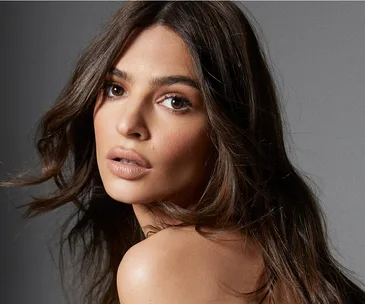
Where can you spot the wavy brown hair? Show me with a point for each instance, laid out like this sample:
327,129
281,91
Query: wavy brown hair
253,189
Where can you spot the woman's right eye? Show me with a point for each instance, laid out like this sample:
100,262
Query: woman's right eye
112,90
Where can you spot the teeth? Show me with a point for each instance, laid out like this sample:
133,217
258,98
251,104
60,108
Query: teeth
128,162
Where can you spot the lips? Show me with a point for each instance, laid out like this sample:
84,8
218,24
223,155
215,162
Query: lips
119,153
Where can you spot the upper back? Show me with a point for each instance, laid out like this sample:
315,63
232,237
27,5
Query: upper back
181,266
206,264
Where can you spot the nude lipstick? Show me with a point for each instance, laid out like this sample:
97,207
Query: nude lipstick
127,164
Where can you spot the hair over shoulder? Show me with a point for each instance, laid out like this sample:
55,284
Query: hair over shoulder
254,188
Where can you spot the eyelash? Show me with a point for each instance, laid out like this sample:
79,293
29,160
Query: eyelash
107,85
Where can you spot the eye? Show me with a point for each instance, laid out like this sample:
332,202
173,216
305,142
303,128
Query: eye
177,103
173,103
112,88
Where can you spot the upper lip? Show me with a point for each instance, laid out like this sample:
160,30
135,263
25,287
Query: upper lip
132,155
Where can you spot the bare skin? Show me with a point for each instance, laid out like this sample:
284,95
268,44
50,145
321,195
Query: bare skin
137,116
180,266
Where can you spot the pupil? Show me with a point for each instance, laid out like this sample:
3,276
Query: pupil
176,101
116,89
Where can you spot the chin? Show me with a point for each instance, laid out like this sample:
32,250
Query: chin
139,193
130,199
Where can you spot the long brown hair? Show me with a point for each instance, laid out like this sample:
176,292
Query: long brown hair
253,189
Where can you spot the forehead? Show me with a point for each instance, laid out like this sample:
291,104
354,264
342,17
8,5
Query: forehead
157,50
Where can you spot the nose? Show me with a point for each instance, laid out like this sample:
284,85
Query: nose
131,122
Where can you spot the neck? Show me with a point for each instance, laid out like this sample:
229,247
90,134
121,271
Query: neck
145,217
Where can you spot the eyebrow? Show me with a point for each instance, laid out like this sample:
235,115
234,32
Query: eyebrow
159,81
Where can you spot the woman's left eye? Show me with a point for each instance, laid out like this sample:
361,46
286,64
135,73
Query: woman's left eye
178,104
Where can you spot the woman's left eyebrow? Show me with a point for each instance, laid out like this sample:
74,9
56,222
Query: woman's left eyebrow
159,81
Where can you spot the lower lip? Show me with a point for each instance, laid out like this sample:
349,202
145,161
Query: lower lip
126,171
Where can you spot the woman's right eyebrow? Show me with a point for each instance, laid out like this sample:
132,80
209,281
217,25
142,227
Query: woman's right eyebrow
160,81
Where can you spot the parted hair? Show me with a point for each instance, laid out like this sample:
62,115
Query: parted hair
253,189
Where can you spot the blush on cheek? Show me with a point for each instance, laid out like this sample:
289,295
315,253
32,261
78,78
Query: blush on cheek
186,146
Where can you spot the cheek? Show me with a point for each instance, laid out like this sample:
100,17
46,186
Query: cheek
102,133
98,130
103,124
184,146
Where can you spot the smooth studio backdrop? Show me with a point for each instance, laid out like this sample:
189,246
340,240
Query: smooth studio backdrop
317,51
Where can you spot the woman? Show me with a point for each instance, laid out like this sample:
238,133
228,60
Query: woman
210,209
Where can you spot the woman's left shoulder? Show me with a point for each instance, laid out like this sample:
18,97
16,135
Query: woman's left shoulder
163,269
187,263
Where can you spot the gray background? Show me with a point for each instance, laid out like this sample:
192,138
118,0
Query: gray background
317,52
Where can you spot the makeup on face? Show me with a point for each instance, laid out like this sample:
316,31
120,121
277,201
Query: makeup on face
127,164
150,125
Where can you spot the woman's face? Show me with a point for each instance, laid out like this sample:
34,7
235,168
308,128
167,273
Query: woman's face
134,114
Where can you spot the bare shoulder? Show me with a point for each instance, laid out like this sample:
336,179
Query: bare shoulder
180,266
